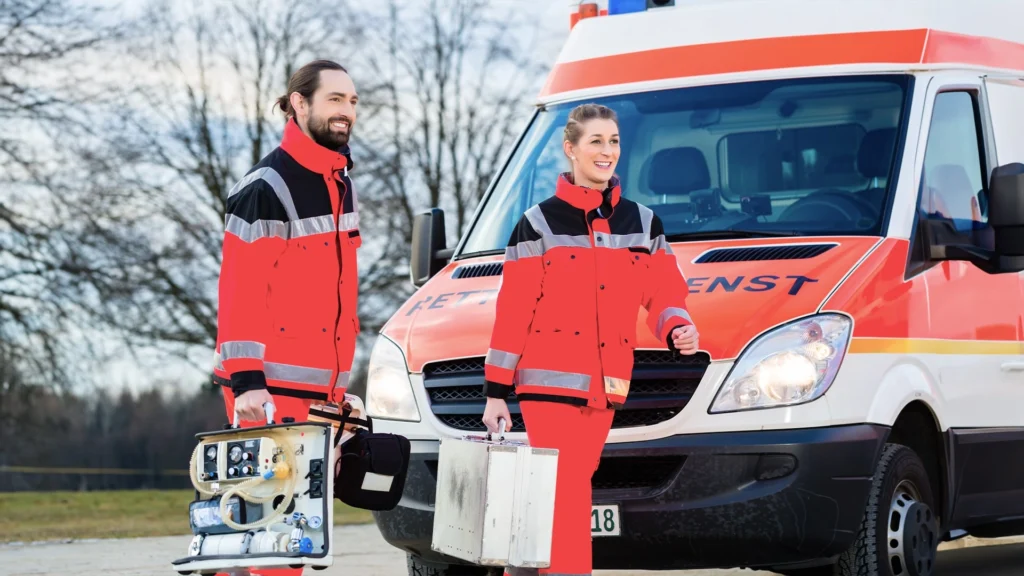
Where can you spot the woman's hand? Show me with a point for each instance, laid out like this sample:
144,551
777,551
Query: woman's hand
686,339
496,409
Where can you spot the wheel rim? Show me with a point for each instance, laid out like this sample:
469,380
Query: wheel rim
912,533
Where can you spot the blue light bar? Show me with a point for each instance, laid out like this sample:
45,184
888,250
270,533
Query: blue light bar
626,6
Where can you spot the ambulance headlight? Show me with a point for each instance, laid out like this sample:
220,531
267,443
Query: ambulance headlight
388,388
792,364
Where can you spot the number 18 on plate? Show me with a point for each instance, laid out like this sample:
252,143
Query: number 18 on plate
604,520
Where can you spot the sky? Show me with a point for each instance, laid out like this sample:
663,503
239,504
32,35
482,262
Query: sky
552,17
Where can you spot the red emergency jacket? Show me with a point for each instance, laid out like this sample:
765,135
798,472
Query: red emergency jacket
288,284
577,269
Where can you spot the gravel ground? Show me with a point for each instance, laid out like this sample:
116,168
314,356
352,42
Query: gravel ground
362,551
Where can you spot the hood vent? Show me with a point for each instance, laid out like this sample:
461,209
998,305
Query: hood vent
756,253
478,270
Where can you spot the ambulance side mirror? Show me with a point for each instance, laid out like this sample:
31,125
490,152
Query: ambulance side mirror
996,247
1006,216
429,247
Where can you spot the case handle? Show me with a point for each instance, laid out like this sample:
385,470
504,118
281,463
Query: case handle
501,430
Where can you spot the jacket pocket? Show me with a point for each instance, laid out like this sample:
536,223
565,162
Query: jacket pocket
636,273
627,337
293,310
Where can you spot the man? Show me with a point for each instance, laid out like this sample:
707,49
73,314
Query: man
287,320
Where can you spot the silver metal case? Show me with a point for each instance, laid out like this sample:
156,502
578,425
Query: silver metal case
495,502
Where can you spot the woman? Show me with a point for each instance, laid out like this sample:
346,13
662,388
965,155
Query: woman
577,269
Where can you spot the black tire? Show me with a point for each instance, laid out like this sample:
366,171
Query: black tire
869,555
420,567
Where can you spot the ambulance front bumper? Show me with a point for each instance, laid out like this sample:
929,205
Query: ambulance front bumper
739,499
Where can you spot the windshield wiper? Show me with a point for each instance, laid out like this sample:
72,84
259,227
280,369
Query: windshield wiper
731,233
479,253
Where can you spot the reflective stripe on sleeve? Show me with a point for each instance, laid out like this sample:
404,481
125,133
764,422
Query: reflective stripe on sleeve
349,221
524,249
250,233
297,374
276,182
660,244
241,349
669,313
342,380
501,359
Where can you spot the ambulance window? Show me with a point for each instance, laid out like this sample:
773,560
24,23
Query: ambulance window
953,182
796,159
796,156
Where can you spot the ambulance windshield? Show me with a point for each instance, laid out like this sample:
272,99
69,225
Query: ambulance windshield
795,157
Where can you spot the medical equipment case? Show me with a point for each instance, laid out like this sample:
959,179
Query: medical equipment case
495,501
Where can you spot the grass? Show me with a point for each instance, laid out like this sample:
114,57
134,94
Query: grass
111,514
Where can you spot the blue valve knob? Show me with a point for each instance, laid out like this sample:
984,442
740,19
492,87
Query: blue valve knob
306,545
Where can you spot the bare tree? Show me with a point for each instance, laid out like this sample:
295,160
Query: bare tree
453,82
181,138
46,96
129,239
441,103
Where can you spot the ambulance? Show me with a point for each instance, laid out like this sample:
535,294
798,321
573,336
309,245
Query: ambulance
842,184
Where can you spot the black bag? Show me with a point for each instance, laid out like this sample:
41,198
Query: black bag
370,474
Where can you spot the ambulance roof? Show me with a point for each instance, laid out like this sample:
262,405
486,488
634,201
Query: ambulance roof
697,41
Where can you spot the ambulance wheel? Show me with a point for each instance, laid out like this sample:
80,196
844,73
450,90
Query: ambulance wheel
899,535
420,567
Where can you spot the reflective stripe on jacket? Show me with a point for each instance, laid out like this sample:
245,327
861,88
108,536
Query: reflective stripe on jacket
288,284
573,283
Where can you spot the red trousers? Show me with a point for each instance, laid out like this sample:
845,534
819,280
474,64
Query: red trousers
579,434
297,408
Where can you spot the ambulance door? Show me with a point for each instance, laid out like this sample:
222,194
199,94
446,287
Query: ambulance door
971,327
973,317
1006,103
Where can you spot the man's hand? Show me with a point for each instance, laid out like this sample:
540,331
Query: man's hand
249,405
496,409
686,339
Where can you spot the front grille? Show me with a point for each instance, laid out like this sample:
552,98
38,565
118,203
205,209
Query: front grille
472,423
662,384
624,472
460,366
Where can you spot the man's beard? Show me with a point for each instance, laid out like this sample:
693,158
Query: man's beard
324,136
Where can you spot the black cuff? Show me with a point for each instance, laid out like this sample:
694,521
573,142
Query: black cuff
242,382
495,390
668,339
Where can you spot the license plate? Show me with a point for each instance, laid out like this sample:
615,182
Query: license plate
604,520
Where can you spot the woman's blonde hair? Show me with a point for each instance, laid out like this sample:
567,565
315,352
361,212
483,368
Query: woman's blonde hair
582,114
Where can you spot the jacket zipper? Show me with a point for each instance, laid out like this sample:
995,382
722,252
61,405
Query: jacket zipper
337,246
597,307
